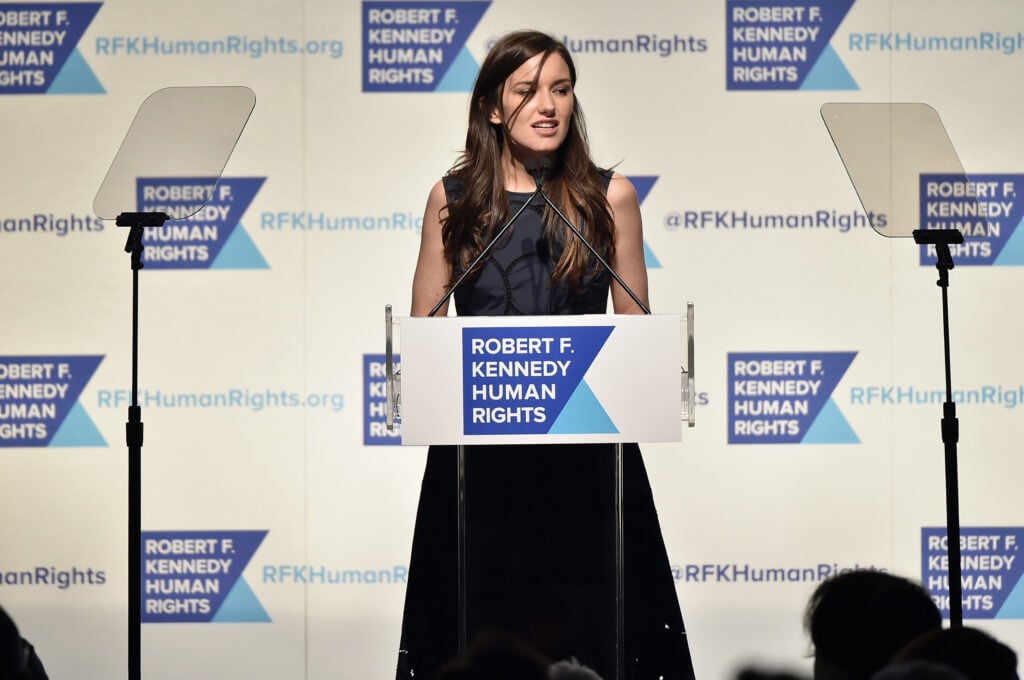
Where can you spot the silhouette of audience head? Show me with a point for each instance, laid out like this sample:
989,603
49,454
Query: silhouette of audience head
571,669
760,674
859,619
11,662
494,655
18,660
918,670
972,652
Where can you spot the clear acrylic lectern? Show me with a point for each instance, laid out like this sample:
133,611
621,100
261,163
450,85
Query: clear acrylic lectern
602,383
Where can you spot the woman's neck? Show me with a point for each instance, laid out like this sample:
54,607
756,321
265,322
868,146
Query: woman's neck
516,178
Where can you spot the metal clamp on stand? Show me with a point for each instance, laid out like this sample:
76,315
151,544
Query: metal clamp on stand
393,378
689,389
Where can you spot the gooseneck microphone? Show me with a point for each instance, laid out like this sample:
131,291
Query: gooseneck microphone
539,171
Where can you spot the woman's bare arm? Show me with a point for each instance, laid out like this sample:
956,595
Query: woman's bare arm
432,270
629,260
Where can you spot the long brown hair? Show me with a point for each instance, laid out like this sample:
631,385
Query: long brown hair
575,184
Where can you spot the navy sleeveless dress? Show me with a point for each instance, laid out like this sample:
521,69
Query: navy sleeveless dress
540,557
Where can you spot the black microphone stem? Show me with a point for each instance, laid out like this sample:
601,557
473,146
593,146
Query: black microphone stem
640,304
483,253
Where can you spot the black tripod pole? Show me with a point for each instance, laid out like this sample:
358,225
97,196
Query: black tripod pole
941,239
133,436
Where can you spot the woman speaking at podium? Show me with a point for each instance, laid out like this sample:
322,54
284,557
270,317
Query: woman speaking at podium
540,551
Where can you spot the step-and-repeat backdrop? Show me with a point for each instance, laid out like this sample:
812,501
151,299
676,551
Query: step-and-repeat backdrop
278,509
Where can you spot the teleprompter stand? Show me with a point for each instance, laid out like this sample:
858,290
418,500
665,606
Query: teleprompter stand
136,222
950,427
179,133
886,149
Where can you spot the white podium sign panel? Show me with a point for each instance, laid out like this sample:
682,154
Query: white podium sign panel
572,379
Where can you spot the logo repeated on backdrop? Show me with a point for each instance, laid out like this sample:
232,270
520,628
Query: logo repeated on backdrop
419,46
303,222
252,399
763,574
49,224
200,235
50,576
784,45
261,44
324,574
984,208
745,221
39,401
786,398
990,573
530,381
196,577
1010,43
1005,396
40,54
375,429
662,46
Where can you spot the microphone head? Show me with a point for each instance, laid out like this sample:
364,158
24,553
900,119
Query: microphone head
537,169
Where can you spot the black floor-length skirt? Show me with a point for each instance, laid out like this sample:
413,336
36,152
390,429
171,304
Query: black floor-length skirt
540,561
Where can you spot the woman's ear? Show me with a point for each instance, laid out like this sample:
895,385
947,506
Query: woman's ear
494,115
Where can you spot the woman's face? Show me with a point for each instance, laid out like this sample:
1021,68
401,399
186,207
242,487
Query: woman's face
540,126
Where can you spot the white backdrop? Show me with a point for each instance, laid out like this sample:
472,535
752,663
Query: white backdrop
256,397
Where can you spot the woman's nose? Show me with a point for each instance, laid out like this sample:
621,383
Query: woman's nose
545,102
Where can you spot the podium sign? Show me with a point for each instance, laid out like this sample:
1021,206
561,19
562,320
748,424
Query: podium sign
544,379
